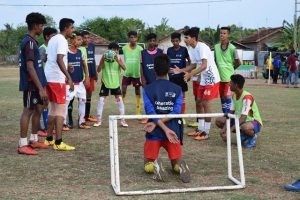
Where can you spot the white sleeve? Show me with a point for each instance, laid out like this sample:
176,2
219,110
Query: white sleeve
204,52
192,57
62,46
246,106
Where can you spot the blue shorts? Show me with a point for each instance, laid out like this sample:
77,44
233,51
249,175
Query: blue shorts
255,123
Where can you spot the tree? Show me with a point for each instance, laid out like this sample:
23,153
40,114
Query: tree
287,39
163,29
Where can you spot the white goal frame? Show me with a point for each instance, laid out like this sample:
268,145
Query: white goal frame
114,154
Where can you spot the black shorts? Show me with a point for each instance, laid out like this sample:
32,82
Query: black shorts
179,81
104,91
31,99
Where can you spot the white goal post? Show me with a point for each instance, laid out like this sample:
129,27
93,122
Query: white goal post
114,154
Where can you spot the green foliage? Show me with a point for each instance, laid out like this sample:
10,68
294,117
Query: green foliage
287,39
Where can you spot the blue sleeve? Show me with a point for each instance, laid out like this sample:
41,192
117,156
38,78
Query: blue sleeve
178,105
148,106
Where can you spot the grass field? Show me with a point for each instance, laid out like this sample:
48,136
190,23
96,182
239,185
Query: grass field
85,172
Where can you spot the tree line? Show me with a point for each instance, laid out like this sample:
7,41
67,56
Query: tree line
116,28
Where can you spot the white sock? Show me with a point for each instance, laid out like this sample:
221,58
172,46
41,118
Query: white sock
201,125
121,106
33,137
23,142
100,106
81,110
66,111
207,127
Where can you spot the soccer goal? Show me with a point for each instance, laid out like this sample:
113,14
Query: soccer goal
114,155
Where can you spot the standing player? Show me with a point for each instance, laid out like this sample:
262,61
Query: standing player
91,63
148,55
48,33
202,60
178,56
163,97
227,61
246,108
57,75
111,65
132,74
78,71
32,83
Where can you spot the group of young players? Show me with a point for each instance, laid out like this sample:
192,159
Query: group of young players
69,71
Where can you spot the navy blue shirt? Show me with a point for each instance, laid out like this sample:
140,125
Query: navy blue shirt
29,51
91,60
177,57
163,97
75,66
148,65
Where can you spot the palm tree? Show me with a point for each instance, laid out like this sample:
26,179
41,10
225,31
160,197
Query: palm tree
287,39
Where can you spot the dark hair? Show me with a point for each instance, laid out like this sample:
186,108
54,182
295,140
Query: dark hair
113,45
192,32
161,65
74,34
48,31
65,23
293,51
84,32
151,36
35,18
175,35
238,79
132,33
226,28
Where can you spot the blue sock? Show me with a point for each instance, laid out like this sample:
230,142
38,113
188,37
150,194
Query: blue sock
223,105
228,103
45,118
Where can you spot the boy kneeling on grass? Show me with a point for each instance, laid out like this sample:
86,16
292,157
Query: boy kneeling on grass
164,97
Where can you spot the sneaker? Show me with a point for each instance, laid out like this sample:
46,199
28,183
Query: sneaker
184,174
27,150
194,133
293,187
123,123
84,126
38,145
63,147
91,118
42,133
160,173
192,124
65,127
251,142
144,121
98,123
203,136
49,143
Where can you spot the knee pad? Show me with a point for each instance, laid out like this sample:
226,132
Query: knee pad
149,167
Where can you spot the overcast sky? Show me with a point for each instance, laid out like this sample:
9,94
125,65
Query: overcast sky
246,13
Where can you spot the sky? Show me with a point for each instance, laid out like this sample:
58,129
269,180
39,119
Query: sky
246,13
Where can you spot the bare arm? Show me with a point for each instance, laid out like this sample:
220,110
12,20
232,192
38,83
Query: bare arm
121,63
196,71
101,64
64,70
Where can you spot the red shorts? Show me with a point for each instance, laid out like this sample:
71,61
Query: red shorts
92,85
196,86
56,92
151,149
208,92
130,80
224,90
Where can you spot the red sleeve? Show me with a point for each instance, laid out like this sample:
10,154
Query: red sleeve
249,97
29,52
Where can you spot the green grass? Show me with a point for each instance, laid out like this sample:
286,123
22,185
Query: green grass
85,173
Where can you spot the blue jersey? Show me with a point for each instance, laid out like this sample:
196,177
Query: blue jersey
148,65
75,66
91,60
163,97
29,51
178,58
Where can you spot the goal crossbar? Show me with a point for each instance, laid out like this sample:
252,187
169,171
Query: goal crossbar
114,155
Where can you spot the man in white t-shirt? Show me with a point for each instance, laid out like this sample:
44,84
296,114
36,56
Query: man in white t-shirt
202,61
57,76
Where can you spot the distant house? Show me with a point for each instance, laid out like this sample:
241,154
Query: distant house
263,40
165,42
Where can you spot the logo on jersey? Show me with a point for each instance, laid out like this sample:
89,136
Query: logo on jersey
170,94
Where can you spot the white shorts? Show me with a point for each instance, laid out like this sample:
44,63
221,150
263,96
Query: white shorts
78,92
